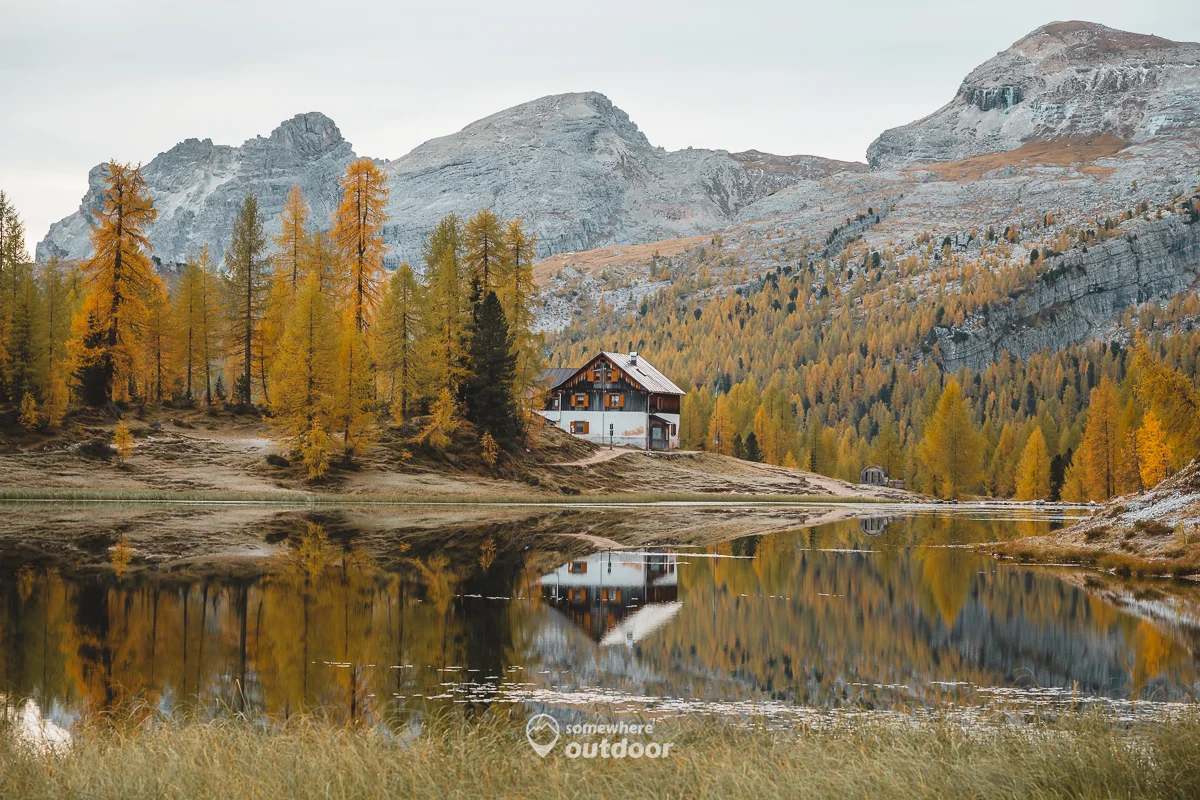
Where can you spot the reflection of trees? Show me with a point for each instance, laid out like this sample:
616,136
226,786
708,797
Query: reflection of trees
325,627
896,616
946,576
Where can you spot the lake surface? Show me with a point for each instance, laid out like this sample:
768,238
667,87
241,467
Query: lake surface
873,614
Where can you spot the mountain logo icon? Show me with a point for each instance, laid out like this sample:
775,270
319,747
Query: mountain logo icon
542,732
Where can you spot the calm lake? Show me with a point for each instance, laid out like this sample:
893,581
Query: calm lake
879,614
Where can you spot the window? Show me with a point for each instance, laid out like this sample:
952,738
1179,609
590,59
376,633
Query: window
672,428
579,426
578,568
578,400
610,595
615,400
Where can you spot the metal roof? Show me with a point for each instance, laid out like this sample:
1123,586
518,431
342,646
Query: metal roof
641,371
557,375
644,373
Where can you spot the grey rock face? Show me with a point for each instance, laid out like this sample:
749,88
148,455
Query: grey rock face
1081,293
574,166
197,187
1066,79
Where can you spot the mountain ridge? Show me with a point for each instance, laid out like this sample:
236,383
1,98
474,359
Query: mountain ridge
575,166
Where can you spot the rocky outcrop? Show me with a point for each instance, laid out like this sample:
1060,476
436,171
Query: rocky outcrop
197,187
1064,80
1081,293
574,166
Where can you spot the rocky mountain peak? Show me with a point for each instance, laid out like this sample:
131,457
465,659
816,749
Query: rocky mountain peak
1077,40
1064,80
309,133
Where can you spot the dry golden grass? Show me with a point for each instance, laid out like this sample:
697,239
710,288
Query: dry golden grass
1086,756
1079,153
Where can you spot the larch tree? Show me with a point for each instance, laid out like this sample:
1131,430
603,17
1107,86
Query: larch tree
187,329
59,308
396,336
1100,449
518,298
303,376
209,315
1154,451
358,234
951,449
486,256
444,343
106,341
354,389
1033,470
291,243
23,372
290,266
321,258
12,256
156,337
247,283
1174,399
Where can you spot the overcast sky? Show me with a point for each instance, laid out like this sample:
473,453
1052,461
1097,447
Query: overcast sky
83,82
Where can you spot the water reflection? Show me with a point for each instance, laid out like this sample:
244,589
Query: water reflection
830,617
617,598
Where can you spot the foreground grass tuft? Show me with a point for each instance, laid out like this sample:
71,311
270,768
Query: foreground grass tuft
1080,757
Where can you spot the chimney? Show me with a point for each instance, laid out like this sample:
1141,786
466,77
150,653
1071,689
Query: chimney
633,358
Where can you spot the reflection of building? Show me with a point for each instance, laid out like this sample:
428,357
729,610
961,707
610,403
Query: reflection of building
615,597
873,526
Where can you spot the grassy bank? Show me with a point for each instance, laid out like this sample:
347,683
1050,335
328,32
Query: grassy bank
1045,550
1079,757
30,495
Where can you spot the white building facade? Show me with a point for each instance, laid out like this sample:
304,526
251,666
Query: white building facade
616,399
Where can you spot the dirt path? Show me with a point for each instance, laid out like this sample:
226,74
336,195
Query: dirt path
598,457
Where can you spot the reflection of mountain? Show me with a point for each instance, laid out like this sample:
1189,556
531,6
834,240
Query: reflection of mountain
631,594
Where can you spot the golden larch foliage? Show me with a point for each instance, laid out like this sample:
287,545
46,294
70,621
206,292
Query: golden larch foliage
123,440
1154,453
952,448
120,278
1033,471
358,234
1101,447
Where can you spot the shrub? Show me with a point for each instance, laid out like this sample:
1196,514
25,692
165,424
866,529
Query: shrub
1152,527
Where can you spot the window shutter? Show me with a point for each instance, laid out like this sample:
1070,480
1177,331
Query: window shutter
621,401
585,427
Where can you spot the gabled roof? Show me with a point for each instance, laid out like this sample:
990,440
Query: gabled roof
640,371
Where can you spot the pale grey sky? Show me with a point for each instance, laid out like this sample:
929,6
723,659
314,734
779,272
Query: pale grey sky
83,81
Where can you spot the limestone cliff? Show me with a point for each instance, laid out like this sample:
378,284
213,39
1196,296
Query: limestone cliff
1081,292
